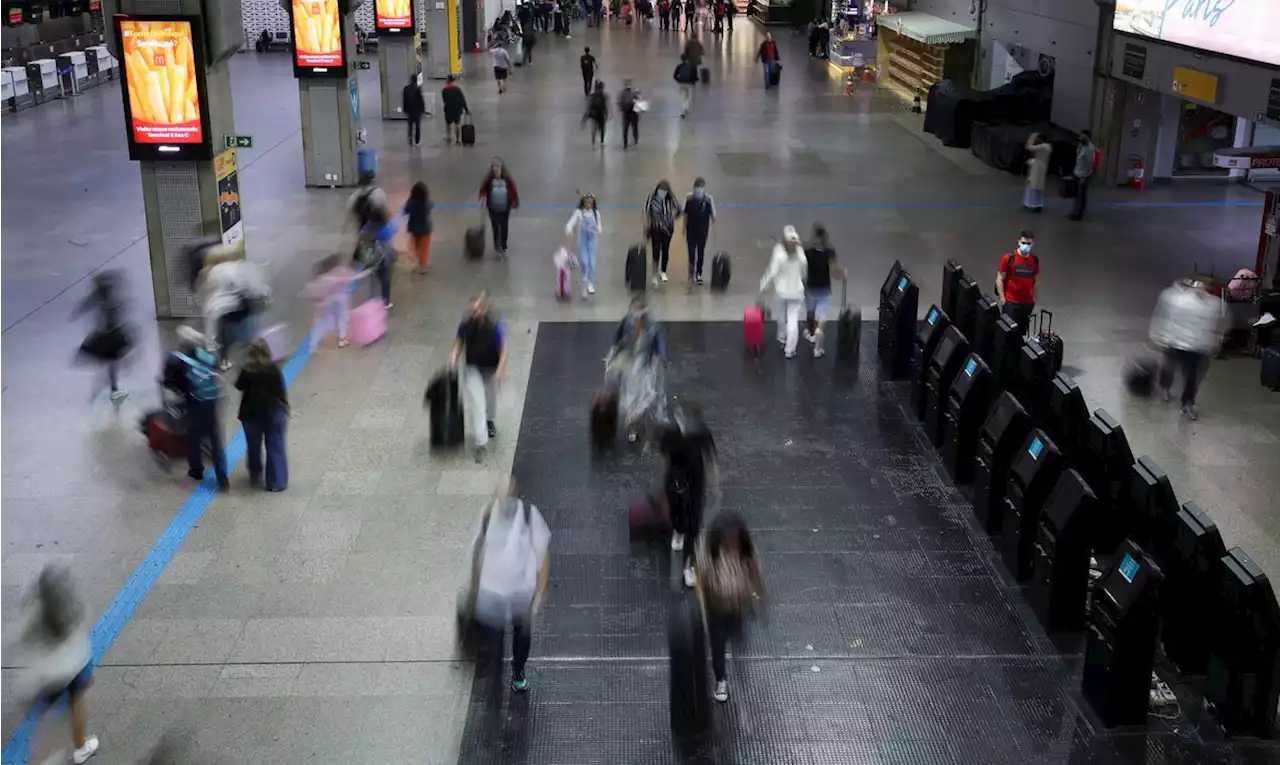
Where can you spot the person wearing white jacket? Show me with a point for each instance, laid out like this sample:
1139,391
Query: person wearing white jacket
788,269
585,224
1188,325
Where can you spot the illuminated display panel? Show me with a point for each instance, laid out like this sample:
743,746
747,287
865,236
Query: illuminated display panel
318,47
394,16
1244,29
166,109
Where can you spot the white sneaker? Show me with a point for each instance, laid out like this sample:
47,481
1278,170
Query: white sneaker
119,395
663,276
82,755
722,691
584,291
677,541
808,336
689,581
655,280
591,288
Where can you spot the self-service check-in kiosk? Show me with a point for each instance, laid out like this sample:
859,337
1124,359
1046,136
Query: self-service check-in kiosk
935,324
1005,429
42,79
986,314
951,352
13,87
1034,380
1243,683
1120,642
1032,474
968,401
952,273
1192,571
1152,507
1068,420
897,325
1106,464
1006,347
965,316
1060,557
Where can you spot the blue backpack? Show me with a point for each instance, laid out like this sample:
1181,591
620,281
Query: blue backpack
202,380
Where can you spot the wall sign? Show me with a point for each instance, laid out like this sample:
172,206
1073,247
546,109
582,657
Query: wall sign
226,171
165,104
1135,61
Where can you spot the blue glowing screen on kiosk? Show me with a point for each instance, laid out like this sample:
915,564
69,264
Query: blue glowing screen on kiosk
1037,446
971,367
902,284
932,317
1128,568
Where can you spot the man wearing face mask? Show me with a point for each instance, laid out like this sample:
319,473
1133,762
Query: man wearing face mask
1016,280
699,216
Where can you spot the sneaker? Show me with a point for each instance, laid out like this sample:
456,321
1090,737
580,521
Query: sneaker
493,431
119,395
390,306
790,354
342,342
82,755
585,294
818,352
677,541
663,275
1191,411
224,365
808,336
519,684
479,454
722,691
689,580
698,280
193,475
591,288
655,280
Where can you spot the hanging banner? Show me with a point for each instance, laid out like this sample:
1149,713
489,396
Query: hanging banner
394,17
226,171
164,94
318,48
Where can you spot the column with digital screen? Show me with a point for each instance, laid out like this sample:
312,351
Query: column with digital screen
326,62
398,61
164,88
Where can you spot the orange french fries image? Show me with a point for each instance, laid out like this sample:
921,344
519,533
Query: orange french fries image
316,26
396,9
160,71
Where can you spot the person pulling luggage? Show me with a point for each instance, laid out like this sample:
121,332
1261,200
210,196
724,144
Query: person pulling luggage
584,228
481,343
659,221
635,366
787,272
1016,281
699,214
767,55
202,389
1188,325
686,443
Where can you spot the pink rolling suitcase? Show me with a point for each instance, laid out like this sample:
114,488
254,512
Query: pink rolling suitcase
564,278
368,321
753,329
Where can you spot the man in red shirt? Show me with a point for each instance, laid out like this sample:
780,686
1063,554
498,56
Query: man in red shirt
1016,280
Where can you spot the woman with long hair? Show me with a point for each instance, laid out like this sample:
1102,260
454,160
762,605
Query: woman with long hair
498,194
584,228
730,587
264,409
418,211
659,221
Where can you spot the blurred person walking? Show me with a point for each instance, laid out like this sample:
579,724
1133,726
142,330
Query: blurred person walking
110,341
499,196
202,390
414,106
528,43
264,411
767,55
699,217
636,367
787,273
677,10
481,344
330,288
1188,325
730,588
597,113
417,211
232,293
659,222
689,450
584,229
686,76
50,637
1040,151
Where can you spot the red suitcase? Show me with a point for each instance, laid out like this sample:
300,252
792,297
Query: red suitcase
753,329
649,516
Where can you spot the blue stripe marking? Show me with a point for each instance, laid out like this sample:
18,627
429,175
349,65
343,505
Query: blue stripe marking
875,205
144,577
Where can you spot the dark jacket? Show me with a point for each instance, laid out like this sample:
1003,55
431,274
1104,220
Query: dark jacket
419,215
414,104
264,394
768,52
453,102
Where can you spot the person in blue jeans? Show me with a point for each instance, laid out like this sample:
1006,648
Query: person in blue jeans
264,410
699,214
378,252
768,56
585,225
202,389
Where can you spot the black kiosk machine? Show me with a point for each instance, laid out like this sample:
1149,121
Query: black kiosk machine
1120,643
952,273
951,352
1032,474
1106,463
1035,380
1242,686
1152,508
965,315
936,322
966,409
1189,600
1006,350
1068,420
1005,430
1060,560
895,338
985,316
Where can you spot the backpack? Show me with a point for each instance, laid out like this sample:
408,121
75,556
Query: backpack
202,381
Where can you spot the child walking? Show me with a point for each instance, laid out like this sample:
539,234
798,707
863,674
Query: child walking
585,225
331,290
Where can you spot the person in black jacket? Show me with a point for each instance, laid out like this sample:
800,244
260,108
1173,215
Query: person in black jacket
530,40
691,464
414,107
264,410
589,69
111,340
454,104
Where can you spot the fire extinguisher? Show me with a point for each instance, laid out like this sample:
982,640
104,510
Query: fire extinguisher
1137,173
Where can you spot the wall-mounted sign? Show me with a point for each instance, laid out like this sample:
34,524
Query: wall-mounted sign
1242,28
166,109
14,15
319,49
1248,158
95,5
1135,61
1201,86
226,172
1273,101
394,17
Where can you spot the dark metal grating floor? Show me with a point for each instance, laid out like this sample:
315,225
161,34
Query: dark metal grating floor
892,638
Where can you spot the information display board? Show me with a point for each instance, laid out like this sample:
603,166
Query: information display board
319,49
1243,29
165,103
394,17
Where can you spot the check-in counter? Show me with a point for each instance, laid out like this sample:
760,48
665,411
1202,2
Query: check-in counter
72,71
13,88
42,79
101,64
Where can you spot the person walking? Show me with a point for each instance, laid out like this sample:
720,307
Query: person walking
589,67
635,367
111,340
659,222
787,273
686,76
499,195
376,249
202,391
417,211
628,107
453,102
730,11
529,40
699,214
1086,161
501,65
585,227
767,55
690,455
597,113
264,411
820,258
330,289
1040,152
1188,325
481,343
730,588
414,106
1016,280
720,11
49,640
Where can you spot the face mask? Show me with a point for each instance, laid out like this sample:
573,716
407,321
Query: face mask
662,193
698,191
1024,249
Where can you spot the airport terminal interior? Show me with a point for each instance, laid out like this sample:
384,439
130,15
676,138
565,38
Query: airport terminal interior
317,624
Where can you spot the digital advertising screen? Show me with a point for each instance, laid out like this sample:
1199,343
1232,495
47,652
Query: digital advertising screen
1243,29
166,109
394,17
317,39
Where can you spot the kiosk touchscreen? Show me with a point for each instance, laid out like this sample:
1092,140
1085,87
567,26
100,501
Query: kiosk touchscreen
891,280
897,325
951,352
1060,558
1003,432
967,403
935,324
1192,568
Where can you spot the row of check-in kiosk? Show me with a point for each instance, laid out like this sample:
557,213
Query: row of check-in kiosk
1058,488
63,76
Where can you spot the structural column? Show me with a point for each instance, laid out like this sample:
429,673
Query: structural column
328,92
398,60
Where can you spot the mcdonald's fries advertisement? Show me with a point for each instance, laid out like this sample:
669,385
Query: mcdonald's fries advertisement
164,101
394,16
317,35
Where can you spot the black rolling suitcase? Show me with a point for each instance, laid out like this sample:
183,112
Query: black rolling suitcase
690,691
1049,340
636,268
848,328
720,271
473,240
704,74
1271,368
447,428
468,132
775,74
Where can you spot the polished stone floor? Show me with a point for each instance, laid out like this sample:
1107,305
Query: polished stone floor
316,624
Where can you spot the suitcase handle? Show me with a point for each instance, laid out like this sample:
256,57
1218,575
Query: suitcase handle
1045,324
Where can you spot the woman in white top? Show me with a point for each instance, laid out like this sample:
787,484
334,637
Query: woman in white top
585,225
787,271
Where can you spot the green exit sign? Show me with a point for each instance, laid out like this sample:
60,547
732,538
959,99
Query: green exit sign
239,141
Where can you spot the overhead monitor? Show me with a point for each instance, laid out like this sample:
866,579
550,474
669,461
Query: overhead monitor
1240,28
165,104
319,47
393,17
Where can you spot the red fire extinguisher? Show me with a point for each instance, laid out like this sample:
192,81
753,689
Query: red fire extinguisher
1137,173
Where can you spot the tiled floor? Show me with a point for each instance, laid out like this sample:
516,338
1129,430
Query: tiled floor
317,621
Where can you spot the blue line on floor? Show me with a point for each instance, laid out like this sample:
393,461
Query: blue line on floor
144,577
875,205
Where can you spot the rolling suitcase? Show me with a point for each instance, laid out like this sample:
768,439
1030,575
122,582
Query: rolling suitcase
1140,377
368,321
1049,340
447,426
690,696
848,328
1271,368
720,271
753,329
704,74
166,437
473,240
604,419
636,268
775,74
468,132
648,516
564,279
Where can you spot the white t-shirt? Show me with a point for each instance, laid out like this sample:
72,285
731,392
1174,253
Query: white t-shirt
516,540
501,58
